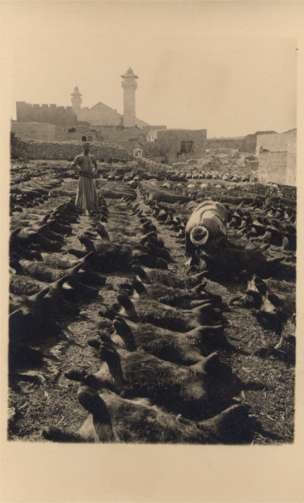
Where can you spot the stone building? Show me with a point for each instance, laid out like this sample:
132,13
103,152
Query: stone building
245,143
34,130
129,86
152,132
138,153
249,142
99,122
98,115
277,157
104,115
175,144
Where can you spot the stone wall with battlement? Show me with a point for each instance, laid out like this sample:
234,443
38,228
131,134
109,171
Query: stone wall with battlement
52,114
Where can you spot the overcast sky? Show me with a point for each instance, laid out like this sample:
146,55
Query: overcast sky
191,73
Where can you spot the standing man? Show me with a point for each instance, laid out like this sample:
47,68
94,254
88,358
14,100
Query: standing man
86,198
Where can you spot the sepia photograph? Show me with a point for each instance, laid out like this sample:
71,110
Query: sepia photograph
152,242
151,260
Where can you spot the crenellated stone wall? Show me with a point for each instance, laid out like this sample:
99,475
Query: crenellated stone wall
52,114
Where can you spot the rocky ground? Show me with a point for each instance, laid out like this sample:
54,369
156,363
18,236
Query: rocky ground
41,395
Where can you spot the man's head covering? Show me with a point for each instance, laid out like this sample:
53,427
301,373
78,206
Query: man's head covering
215,226
199,235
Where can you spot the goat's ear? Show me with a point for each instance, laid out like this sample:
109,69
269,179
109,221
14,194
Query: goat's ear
118,323
125,301
140,272
206,365
139,286
76,267
87,256
25,310
212,362
93,403
58,284
15,232
66,285
94,342
38,296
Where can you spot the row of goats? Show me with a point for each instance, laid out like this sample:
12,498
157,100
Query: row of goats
161,376
261,244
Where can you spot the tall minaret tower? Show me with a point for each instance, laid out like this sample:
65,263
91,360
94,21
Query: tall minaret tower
76,100
129,86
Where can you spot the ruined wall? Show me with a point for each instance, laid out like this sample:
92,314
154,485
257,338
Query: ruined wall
18,148
151,132
52,114
276,142
249,142
291,171
127,138
34,130
277,157
218,143
121,134
67,151
75,133
272,142
246,143
172,144
50,132
108,136
272,167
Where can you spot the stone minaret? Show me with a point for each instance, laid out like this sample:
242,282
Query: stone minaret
129,86
76,100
